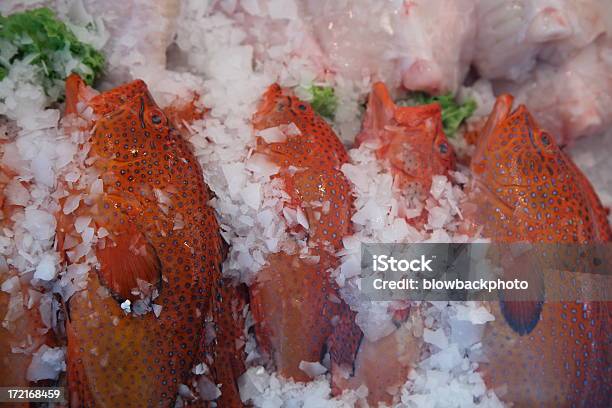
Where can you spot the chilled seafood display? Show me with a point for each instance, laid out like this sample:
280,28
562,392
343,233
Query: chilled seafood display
195,197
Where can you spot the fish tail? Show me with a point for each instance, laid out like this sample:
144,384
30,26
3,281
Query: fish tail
596,391
344,343
228,348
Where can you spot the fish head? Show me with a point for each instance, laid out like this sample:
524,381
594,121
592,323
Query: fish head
311,142
523,185
126,119
112,100
422,128
279,107
410,137
418,147
129,123
512,151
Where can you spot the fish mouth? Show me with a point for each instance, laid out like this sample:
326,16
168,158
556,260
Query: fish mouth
501,111
267,105
111,101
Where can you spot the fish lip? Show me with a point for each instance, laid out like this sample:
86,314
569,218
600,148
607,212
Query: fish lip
480,153
267,105
502,110
479,156
142,91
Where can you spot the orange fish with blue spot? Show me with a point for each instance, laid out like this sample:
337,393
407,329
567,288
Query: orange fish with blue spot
526,189
162,246
295,301
410,141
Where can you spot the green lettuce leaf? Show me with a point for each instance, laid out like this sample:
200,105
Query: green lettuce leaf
39,37
453,112
324,101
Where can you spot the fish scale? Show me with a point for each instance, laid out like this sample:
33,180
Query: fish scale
526,189
296,304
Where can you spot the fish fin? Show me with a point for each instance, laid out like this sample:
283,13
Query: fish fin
413,116
382,106
74,89
79,390
521,316
263,332
345,340
522,307
229,353
65,223
265,116
288,307
77,91
126,261
501,111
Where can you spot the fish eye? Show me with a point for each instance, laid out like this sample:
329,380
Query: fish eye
545,139
443,148
156,117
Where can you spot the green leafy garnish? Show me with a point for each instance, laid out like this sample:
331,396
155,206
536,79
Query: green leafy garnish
453,113
324,101
38,37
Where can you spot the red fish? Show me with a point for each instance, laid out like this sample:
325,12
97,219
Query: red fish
162,237
295,301
411,143
411,140
527,189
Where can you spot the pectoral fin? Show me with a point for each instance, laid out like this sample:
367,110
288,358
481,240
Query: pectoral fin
522,316
128,265
522,307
